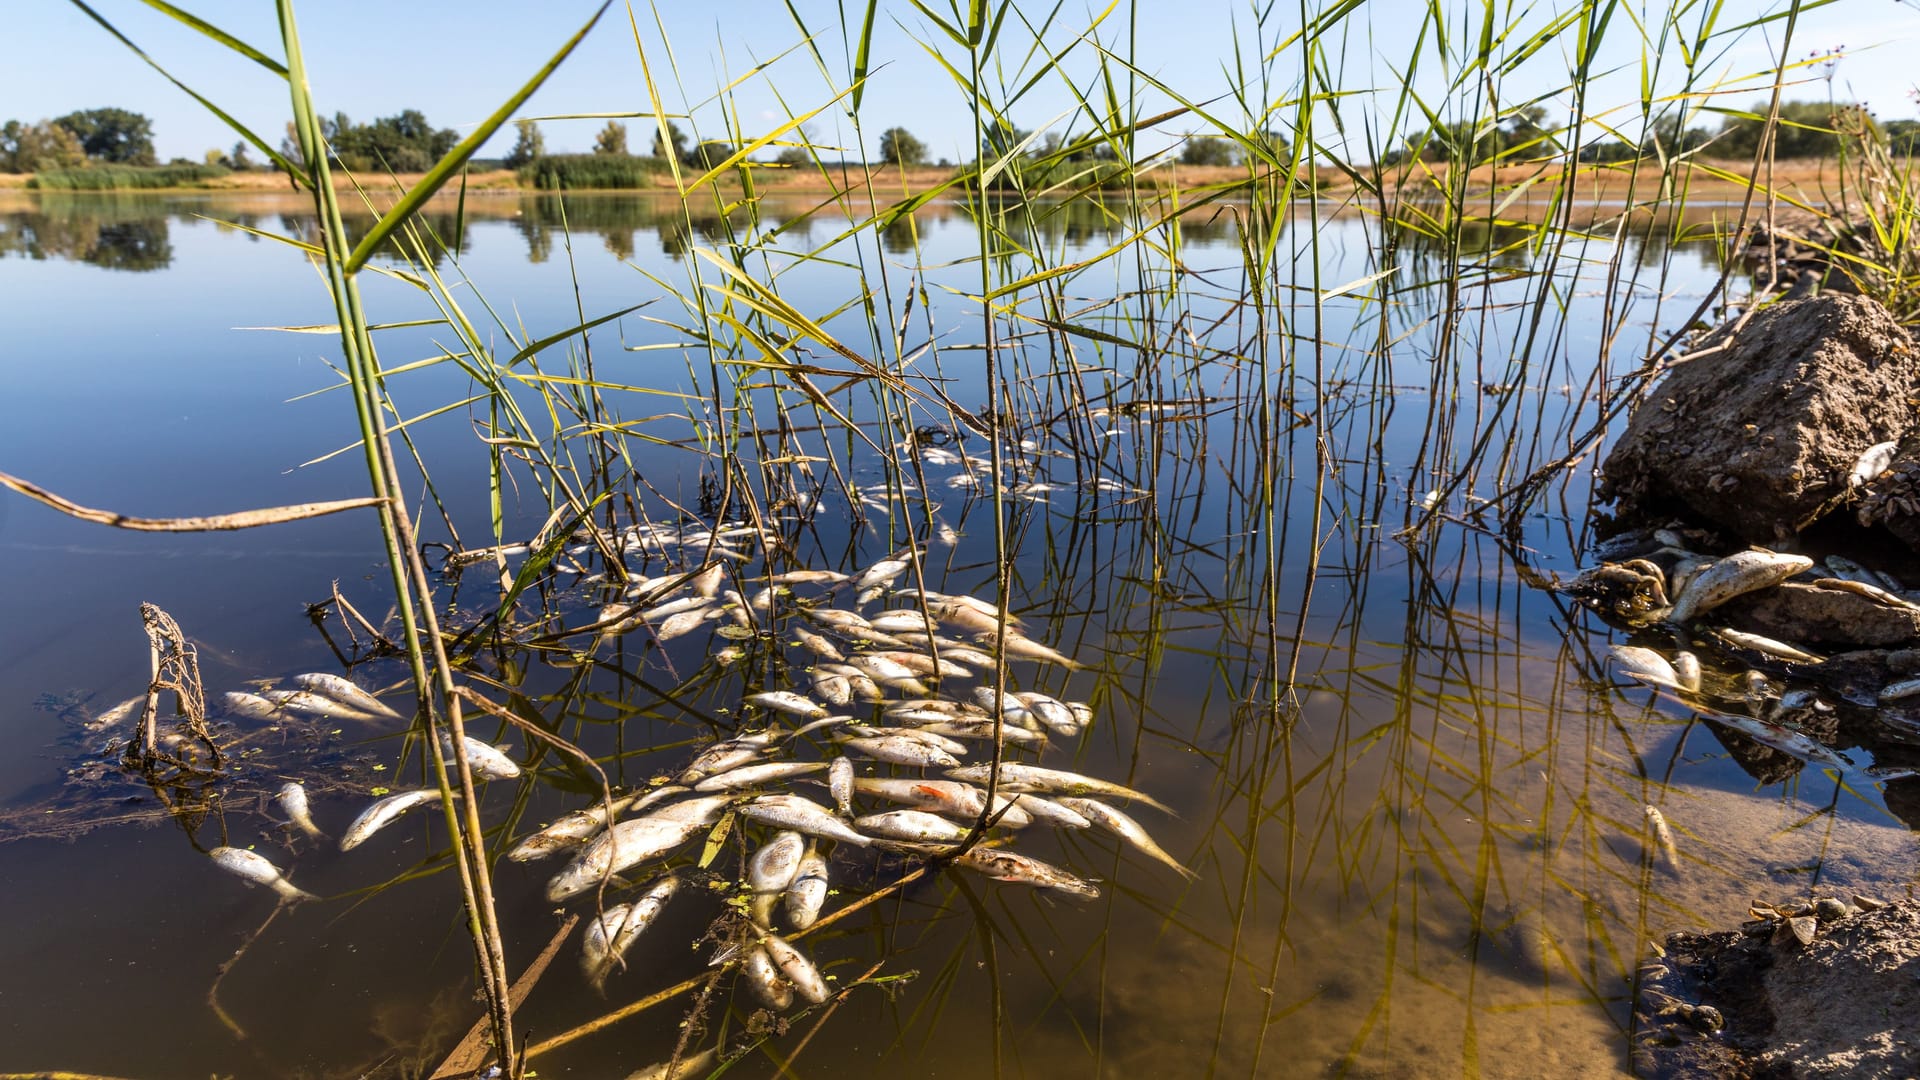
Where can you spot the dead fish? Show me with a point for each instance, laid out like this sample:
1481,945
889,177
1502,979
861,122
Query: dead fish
484,761
1872,463
765,980
630,843
236,703
726,754
917,734
1644,665
899,620
1737,574
1767,645
837,618
313,704
1663,836
681,625
799,970
837,691
946,534
886,669
690,1067
257,869
574,829
1018,777
747,776
1686,667
808,577
880,574
1023,648
605,942
1052,712
1018,869
900,750
292,798
800,815
917,825
807,894
819,645
949,797
1010,734
383,813
840,784
1049,813
706,582
787,701
1847,570
773,868
346,693
1124,827
1899,691
1869,590
1011,707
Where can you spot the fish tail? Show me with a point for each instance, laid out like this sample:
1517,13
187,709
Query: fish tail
293,893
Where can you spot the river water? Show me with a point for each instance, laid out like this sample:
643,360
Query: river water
1424,853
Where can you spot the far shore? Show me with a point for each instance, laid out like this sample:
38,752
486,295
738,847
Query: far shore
1518,193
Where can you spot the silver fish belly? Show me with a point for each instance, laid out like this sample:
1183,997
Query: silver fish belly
257,869
292,798
801,815
383,813
345,692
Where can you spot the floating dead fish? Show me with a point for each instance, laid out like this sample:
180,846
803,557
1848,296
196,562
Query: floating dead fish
314,704
707,581
1016,777
236,702
880,574
807,894
773,868
1663,837
819,646
949,797
787,701
799,970
1784,739
1124,827
1736,575
292,798
1018,869
900,750
808,577
1644,664
765,980
384,813
1768,646
1869,590
1022,648
899,621
607,939
682,624
917,825
1899,691
1847,570
1049,813
346,693
1011,707
1053,713
726,754
630,843
747,776
1872,463
257,869
484,761
691,1067
800,815
576,828
917,734
840,784
1686,667
837,691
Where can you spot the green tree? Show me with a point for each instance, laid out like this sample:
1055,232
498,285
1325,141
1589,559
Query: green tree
117,136
899,147
405,142
1806,129
528,145
710,154
612,139
1207,150
41,147
670,142
240,158
795,156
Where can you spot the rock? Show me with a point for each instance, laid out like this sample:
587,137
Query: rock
1845,1004
1760,438
1891,500
1814,614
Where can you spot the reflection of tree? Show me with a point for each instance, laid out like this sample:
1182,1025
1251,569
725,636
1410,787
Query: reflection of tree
110,233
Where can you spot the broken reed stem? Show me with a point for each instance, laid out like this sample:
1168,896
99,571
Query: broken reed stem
245,519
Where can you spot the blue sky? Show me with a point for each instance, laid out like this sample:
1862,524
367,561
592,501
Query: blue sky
456,62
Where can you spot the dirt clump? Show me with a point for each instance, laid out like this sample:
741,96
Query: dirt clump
1759,433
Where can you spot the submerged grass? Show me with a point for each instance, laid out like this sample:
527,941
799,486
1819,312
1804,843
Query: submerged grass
1086,309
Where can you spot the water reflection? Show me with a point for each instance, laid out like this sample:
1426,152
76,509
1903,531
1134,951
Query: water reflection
115,234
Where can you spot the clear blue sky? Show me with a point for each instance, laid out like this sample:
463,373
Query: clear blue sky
455,62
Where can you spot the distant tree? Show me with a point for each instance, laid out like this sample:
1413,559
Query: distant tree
41,147
612,139
999,140
710,154
1275,143
405,142
670,142
1207,150
899,147
796,156
240,158
214,157
1806,129
1902,135
290,147
1527,127
116,136
528,144
1665,136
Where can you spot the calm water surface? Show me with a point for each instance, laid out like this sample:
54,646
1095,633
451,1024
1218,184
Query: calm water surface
1434,861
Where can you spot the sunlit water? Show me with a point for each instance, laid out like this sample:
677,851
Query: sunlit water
1430,858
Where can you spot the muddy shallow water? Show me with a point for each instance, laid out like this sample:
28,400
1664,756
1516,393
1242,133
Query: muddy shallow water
1432,859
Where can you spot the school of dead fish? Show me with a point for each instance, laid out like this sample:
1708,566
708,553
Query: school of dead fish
874,754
